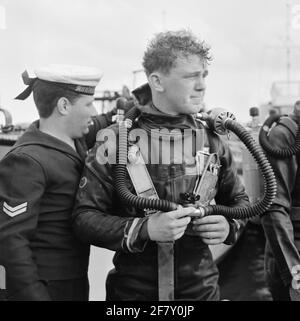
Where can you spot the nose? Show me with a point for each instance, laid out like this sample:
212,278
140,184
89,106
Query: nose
200,83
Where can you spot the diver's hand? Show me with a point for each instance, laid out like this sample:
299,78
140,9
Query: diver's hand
169,226
213,229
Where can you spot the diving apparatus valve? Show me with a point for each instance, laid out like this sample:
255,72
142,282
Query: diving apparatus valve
220,121
216,119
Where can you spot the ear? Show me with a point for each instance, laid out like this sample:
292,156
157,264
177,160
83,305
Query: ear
155,81
63,106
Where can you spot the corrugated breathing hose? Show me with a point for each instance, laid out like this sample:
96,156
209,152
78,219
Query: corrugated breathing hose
271,150
221,122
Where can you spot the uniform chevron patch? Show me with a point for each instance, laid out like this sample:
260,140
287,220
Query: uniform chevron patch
14,210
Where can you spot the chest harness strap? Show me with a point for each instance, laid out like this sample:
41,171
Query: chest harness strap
144,187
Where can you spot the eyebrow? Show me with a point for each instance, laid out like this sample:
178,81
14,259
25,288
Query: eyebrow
196,73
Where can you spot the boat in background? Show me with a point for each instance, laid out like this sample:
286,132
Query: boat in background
9,133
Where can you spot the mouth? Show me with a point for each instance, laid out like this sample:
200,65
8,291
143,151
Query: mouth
197,100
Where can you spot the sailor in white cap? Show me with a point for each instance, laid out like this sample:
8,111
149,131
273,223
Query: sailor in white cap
82,80
39,179
69,83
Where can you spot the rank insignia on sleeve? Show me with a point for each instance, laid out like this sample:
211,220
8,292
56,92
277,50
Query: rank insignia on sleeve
14,210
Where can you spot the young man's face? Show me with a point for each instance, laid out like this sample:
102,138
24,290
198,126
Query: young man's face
80,116
184,86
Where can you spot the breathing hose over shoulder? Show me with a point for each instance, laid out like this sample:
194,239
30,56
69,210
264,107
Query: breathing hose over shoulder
269,148
220,121
121,171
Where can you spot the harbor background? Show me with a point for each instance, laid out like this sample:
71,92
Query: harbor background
248,41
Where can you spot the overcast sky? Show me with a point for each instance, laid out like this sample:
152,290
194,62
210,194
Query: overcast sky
246,36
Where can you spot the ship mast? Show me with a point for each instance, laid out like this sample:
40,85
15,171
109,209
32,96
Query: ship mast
288,43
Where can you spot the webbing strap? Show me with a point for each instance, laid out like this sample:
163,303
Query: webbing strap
144,187
165,254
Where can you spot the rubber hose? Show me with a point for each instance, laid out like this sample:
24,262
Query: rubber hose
121,173
163,205
266,170
276,152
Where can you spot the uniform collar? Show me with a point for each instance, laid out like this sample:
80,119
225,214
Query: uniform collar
33,136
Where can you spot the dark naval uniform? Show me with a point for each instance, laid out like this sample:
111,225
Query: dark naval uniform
39,180
282,221
102,220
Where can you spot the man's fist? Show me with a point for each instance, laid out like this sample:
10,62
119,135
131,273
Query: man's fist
213,229
169,226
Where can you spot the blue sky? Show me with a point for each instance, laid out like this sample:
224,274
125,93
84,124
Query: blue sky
246,37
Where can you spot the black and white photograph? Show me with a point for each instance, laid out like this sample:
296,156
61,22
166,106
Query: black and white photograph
149,153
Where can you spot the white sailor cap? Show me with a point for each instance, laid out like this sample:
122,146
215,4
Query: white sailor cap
82,80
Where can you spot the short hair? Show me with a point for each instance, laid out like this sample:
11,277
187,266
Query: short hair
166,47
46,96
297,102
